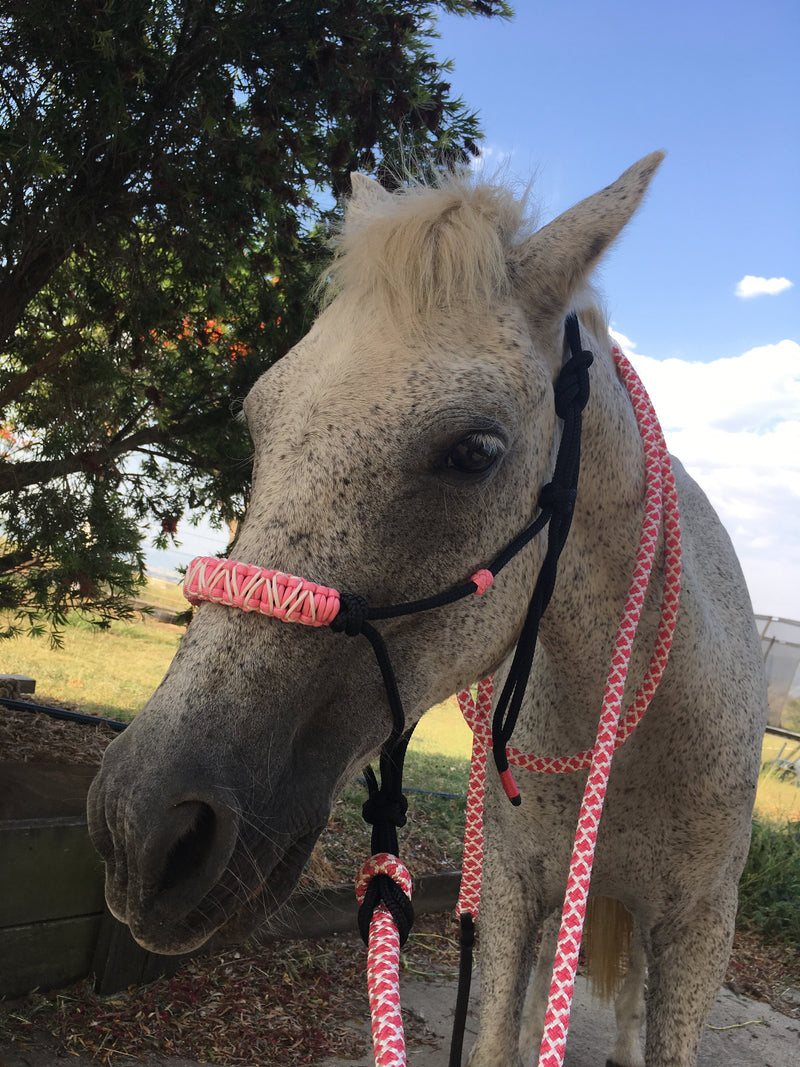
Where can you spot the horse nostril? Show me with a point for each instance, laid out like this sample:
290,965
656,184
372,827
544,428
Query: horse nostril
192,848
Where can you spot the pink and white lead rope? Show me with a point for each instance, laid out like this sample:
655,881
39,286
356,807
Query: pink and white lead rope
383,963
661,503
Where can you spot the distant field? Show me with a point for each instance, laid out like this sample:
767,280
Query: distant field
109,673
166,594
778,798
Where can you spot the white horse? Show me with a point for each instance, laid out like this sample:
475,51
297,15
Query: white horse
398,448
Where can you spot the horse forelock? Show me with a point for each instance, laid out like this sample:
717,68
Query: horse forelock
425,248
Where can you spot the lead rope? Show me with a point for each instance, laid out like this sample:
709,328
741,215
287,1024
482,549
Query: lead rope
661,505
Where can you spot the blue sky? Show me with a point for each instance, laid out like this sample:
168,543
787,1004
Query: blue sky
573,92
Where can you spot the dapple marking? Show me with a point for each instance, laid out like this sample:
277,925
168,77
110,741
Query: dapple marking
440,340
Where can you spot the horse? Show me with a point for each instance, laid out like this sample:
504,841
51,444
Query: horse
398,447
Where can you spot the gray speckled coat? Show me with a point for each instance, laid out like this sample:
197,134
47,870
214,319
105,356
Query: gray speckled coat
441,338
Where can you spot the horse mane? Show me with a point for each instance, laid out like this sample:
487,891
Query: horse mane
426,247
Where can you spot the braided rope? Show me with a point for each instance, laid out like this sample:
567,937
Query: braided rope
383,963
251,588
661,503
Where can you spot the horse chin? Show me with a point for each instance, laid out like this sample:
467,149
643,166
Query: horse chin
232,910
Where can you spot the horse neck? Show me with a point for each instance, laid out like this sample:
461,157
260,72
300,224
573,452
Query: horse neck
594,572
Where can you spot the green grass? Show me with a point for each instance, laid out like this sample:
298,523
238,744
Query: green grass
109,673
778,799
769,892
443,732
166,594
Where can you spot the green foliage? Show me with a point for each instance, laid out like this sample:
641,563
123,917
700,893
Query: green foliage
769,892
164,174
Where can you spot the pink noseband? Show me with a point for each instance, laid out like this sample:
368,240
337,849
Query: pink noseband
283,596
251,588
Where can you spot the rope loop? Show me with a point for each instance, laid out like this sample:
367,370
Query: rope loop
383,879
353,613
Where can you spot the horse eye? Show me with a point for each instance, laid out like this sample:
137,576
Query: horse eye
474,454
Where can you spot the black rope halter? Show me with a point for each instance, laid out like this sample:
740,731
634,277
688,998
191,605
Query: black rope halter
385,808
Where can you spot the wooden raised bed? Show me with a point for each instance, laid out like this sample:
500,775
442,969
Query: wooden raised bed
54,925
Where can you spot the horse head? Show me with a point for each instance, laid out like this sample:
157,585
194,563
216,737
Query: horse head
397,448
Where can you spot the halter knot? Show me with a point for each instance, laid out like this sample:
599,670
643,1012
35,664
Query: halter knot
572,386
483,580
353,612
383,879
558,497
379,809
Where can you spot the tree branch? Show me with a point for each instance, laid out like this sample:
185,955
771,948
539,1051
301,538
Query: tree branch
18,385
14,477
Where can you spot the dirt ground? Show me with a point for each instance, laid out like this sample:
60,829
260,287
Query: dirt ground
741,1033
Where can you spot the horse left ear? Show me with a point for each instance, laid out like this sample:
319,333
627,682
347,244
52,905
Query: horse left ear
555,262
367,198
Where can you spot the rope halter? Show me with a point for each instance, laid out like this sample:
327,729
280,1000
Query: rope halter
294,599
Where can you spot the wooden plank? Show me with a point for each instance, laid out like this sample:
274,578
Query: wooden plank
44,790
48,870
46,955
119,961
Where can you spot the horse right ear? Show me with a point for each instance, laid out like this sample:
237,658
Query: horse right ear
556,261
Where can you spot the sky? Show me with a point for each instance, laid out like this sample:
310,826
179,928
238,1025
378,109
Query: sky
703,287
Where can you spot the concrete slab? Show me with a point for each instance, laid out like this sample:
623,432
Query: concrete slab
740,1033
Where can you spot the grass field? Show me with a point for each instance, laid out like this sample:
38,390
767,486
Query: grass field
109,673
166,594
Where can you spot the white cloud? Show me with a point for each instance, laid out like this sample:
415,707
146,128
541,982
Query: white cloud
735,425
625,343
751,286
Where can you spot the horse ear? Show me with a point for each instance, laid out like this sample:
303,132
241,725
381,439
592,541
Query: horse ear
367,198
555,262
366,188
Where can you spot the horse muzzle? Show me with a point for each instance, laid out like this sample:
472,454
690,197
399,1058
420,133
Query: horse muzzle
181,861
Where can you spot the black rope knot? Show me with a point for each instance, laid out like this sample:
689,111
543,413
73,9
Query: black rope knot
353,612
572,386
379,809
384,890
558,497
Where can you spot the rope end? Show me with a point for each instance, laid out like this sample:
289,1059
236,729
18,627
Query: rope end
510,787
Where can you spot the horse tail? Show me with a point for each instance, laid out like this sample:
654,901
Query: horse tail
607,945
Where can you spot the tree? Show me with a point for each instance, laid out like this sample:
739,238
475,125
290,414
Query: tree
166,171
